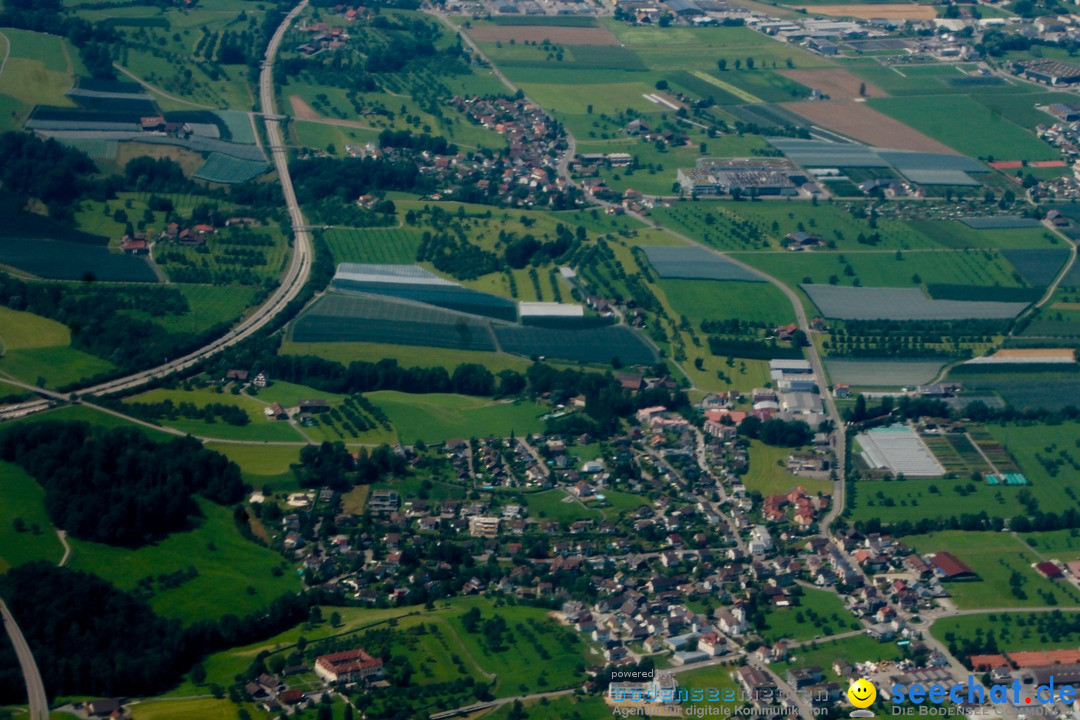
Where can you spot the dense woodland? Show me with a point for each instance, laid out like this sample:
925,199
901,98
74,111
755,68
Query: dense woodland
89,638
117,486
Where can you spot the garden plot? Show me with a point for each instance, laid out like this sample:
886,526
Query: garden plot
694,263
857,303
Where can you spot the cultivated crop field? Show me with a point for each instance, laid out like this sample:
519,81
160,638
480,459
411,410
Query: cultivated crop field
36,348
982,134
64,260
884,372
837,83
1038,267
870,125
704,300
901,304
539,33
387,246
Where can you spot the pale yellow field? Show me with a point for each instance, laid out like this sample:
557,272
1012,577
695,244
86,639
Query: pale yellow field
890,11
1035,352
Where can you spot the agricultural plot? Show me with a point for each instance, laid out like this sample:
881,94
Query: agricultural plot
220,168
564,35
960,235
982,275
703,300
373,245
865,123
65,260
882,373
837,83
1049,390
819,612
832,223
982,133
1037,267
901,304
946,454
341,318
227,564
596,345
933,79
694,263
1011,631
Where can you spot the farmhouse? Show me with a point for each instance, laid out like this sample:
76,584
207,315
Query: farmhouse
348,666
949,567
1049,570
314,406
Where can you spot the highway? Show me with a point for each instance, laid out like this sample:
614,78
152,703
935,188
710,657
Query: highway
35,688
292,282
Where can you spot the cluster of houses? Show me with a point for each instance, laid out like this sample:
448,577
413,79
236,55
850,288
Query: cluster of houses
324,37
534,146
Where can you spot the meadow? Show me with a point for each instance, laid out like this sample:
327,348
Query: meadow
436,417
768,474
36,348
258,429
39,69
21,497
995,557
818,612
858,649
1006,627
234,574
406,355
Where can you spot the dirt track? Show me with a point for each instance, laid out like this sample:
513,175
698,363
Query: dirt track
301,110
862,122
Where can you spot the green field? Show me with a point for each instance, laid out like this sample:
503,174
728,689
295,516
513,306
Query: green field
986,268
958,236
258,429
819,612
21,497
203,708
557,655
769,476
712,300
39,70
227,564
52,366
560,506
983,133
373,245
994,557
436,417
858,649
1012,631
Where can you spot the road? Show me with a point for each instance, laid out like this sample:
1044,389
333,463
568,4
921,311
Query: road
35,688
296,275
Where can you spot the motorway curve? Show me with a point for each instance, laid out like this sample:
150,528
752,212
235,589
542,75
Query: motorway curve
295,277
